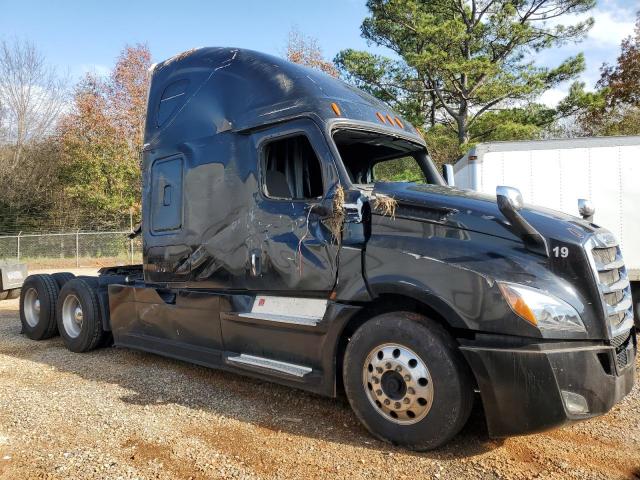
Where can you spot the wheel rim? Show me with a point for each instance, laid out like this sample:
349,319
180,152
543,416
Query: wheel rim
397,383
31,307
72,316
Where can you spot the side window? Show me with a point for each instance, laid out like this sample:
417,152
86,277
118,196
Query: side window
172,98
166,195
291,169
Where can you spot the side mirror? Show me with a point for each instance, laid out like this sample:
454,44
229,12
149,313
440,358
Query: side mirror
510,197
509,203
447,173
586,209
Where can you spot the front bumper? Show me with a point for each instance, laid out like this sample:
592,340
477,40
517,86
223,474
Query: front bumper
522,385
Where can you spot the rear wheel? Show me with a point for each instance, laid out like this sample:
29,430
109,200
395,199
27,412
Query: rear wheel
406,380
62,277
38,307
78,315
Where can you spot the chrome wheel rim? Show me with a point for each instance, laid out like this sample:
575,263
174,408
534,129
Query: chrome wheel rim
397,383
72,316
31,307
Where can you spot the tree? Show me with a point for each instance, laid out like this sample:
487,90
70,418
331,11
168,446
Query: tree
101,139
614,109
622,81
460,60
31,96
305,50
127,92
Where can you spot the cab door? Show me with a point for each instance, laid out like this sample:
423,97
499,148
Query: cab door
295,251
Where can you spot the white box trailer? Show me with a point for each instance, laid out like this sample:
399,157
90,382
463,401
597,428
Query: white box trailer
556,173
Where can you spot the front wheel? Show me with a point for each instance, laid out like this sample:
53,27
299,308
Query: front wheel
406,380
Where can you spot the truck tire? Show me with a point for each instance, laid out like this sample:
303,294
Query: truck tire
14,293
78,315
38,307
62,277
406,381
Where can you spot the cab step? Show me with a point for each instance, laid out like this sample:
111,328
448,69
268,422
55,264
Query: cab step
276,317
269,364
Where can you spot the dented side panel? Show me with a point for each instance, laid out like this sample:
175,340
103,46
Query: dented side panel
232,236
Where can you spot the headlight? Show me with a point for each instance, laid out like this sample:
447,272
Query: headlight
542,310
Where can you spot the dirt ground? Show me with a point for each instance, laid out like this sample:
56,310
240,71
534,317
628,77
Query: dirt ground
117,413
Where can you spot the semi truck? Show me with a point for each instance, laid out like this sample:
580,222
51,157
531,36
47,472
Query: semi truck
560,173
276,246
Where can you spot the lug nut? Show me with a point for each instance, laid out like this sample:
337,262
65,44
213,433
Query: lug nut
378,392
387,402
407,378
411,391
387,366
406,400
397,405
378,369
375,380
398,368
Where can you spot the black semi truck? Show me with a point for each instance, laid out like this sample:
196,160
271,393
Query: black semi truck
272,248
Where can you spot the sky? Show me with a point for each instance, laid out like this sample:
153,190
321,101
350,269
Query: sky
87,36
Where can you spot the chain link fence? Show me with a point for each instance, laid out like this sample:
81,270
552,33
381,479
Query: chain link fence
79,249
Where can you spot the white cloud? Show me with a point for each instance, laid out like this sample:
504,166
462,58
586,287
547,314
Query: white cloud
553,96
610,27
614,20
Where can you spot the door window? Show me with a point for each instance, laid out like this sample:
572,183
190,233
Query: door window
291,169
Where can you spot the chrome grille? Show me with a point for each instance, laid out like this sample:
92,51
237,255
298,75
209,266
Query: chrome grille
605,255
609,276
613,283
613,298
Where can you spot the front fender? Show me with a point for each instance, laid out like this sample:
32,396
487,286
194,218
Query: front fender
451,271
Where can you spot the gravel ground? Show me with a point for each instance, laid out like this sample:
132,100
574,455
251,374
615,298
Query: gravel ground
117,413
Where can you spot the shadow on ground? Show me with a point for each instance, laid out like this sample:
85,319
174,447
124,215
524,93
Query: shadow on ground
154,380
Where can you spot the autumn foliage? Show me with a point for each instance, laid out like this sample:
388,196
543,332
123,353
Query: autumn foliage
101,138
306,51
614,109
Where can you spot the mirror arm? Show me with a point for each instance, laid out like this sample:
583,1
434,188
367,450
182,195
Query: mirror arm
509,202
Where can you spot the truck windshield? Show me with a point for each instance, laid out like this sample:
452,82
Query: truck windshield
370,157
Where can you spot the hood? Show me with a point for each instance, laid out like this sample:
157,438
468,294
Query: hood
478,212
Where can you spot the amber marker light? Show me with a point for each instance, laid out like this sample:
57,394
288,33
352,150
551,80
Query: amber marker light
390,119
381,117
399,123
517,304
336,109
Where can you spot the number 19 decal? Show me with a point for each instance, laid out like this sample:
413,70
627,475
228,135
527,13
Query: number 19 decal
560,252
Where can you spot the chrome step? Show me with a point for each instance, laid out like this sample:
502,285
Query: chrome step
269,364
275,317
